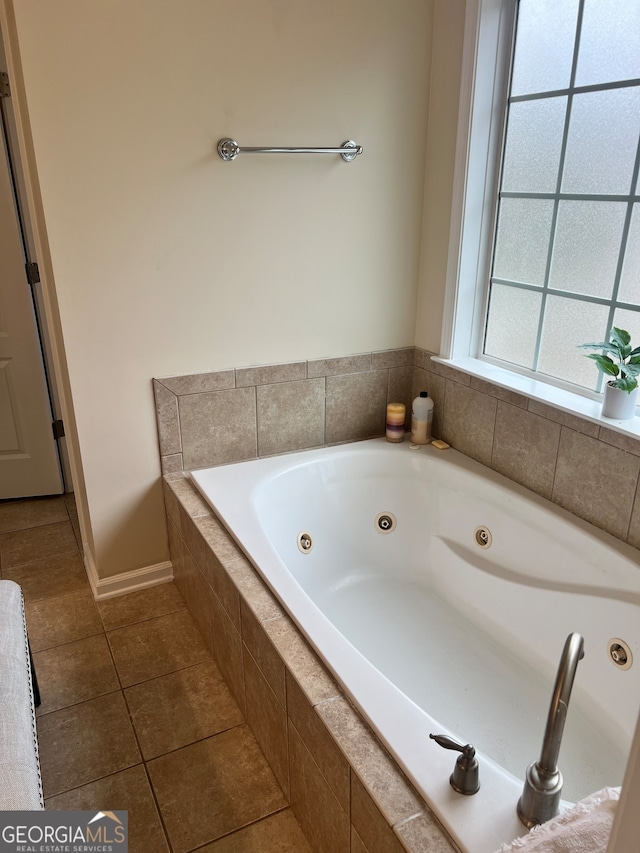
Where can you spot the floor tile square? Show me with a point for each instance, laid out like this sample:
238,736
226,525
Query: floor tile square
180,708
49,577
19,515
279,833
36,543
54,621
128,790
85,742
213,787
156,647
140,605
74,672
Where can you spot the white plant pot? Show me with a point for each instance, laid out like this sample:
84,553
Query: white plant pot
618,404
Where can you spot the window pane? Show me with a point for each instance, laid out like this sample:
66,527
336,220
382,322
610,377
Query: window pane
567,324
609,42
522,242
532,152
630,280
572,241
587,245
512,326
603,140
630,321
544,46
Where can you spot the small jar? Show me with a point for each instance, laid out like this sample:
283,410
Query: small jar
396,413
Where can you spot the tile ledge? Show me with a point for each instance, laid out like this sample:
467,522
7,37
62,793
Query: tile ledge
558,398
411,817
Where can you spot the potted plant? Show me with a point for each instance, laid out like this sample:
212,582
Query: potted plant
619,361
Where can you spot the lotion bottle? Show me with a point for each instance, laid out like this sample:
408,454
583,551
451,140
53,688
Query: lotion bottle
421,419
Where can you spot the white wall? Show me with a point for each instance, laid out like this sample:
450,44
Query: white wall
448,37
167,260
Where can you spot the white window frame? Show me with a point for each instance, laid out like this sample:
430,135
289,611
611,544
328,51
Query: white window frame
488,36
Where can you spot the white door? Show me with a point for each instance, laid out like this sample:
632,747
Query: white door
29,461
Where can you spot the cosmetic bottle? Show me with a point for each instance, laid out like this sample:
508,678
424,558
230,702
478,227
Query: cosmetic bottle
421,418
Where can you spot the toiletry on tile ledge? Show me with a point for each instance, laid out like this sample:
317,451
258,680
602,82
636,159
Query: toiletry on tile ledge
421,419
396,413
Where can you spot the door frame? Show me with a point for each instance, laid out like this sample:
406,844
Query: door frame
26,228
46,297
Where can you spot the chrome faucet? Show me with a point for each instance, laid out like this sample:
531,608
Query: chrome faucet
540,798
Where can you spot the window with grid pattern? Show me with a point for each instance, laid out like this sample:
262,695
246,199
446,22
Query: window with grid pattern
566,257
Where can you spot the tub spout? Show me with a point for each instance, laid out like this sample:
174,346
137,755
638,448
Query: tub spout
540,798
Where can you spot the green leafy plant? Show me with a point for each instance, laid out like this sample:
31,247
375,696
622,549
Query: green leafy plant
618,359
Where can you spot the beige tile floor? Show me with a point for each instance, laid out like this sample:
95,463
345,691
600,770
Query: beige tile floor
135,714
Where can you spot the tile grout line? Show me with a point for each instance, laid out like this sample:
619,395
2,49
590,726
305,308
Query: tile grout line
238,829
76,704
140,751
141,619
97,779
157,806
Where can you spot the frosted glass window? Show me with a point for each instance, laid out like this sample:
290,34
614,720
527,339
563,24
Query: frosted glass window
630,279
532,151
587,247
544,49
567,324
524,228
630,321
603,141
609,42
566,253
513,324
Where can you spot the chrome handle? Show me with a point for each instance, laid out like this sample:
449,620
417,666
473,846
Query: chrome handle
465,778
447,743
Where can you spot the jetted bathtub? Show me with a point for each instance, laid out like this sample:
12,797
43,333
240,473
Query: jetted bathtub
440,594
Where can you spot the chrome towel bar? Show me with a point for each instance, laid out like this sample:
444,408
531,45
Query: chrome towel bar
228,149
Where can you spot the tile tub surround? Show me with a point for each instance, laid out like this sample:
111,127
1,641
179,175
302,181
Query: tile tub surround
584,467
345,790
230,415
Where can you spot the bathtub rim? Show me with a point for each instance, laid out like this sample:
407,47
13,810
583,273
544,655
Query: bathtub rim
405,814
441,760
467,464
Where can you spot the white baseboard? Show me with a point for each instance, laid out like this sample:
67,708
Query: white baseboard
104,588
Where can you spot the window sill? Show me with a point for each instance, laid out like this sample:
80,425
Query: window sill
558,398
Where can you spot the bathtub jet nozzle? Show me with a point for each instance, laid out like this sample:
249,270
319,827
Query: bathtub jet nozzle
540,800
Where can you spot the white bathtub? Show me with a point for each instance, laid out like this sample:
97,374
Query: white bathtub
428,632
